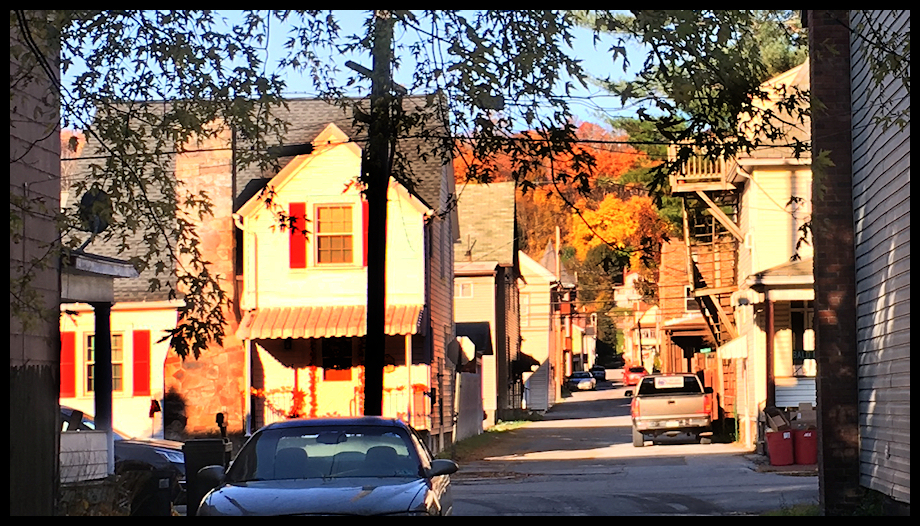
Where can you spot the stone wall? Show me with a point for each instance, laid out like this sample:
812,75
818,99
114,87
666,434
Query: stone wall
215,382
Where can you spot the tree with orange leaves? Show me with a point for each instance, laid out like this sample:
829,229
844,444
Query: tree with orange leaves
548,195
632,227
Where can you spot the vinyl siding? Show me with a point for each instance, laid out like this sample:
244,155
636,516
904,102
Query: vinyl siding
771,221
881,201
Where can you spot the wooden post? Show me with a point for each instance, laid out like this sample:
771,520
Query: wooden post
376,167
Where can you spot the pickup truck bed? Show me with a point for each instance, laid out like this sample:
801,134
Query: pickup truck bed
670,404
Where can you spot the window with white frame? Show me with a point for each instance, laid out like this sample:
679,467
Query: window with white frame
803,338
690,303
334,235
117,362
463,290
525,310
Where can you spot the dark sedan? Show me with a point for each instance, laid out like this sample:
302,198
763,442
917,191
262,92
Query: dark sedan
599,372
331,466
135,453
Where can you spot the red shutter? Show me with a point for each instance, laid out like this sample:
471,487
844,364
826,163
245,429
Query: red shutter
298,244
141,350
364,222
68,364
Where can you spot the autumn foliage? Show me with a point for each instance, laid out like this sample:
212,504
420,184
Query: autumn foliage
628,226
602,211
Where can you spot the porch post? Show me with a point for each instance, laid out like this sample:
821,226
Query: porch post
771,382
409,390
247,396
102,376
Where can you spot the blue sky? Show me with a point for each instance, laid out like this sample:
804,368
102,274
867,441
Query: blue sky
596,60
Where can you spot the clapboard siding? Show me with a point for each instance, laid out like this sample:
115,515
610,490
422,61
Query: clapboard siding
881,201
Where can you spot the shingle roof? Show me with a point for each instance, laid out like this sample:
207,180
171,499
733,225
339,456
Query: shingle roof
306,118
487,224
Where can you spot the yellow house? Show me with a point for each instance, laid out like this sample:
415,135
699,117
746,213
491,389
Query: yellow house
751,261
539,333
304,291
137,362
269,366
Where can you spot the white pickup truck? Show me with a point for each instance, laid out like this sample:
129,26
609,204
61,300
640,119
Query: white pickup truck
671,404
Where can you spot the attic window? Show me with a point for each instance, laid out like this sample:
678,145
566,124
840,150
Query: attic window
334,235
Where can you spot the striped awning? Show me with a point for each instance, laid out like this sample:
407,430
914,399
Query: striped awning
325,322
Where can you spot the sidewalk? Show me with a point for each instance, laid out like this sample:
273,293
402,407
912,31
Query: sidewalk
762,465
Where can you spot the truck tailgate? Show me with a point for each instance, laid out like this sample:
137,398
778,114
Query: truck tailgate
664,406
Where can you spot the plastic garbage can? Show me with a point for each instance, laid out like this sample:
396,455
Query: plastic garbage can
780,448
155,496
806,446
200,453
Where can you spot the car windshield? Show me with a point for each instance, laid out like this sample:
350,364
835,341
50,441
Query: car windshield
669,385
637,369
581,375
326,452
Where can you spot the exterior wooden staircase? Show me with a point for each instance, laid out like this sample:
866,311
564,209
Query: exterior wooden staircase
711,235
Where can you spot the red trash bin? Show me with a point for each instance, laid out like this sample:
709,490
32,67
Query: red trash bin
780,448
806,446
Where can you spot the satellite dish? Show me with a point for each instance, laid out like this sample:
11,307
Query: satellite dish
95,211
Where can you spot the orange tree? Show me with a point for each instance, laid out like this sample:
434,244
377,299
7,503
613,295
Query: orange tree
630,227
548,195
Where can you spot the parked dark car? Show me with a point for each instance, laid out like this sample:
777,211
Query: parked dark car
331,466
599,372
135,453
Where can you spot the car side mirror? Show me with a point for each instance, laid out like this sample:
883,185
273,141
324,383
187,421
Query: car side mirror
210,477
628,394
442,466
707,390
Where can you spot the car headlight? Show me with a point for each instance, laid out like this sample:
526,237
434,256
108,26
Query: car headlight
175,457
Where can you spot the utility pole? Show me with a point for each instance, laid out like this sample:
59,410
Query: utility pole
376,168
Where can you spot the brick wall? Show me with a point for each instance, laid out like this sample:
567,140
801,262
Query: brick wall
834,264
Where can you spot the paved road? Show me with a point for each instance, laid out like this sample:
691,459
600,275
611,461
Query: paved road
580,461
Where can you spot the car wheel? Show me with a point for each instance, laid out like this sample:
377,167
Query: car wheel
638,438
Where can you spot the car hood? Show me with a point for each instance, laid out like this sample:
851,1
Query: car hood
351,496
155,442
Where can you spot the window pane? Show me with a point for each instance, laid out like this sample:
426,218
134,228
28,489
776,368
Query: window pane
332,248
117,362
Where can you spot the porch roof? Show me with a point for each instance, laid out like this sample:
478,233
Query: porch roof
325,321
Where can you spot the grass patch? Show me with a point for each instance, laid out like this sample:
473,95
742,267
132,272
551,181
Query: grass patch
476,447
797,510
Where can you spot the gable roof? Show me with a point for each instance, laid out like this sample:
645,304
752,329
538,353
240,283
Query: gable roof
535,269
797,77
307,119
487,224
549,262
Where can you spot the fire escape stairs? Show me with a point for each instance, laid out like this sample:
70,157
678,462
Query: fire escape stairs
712,240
